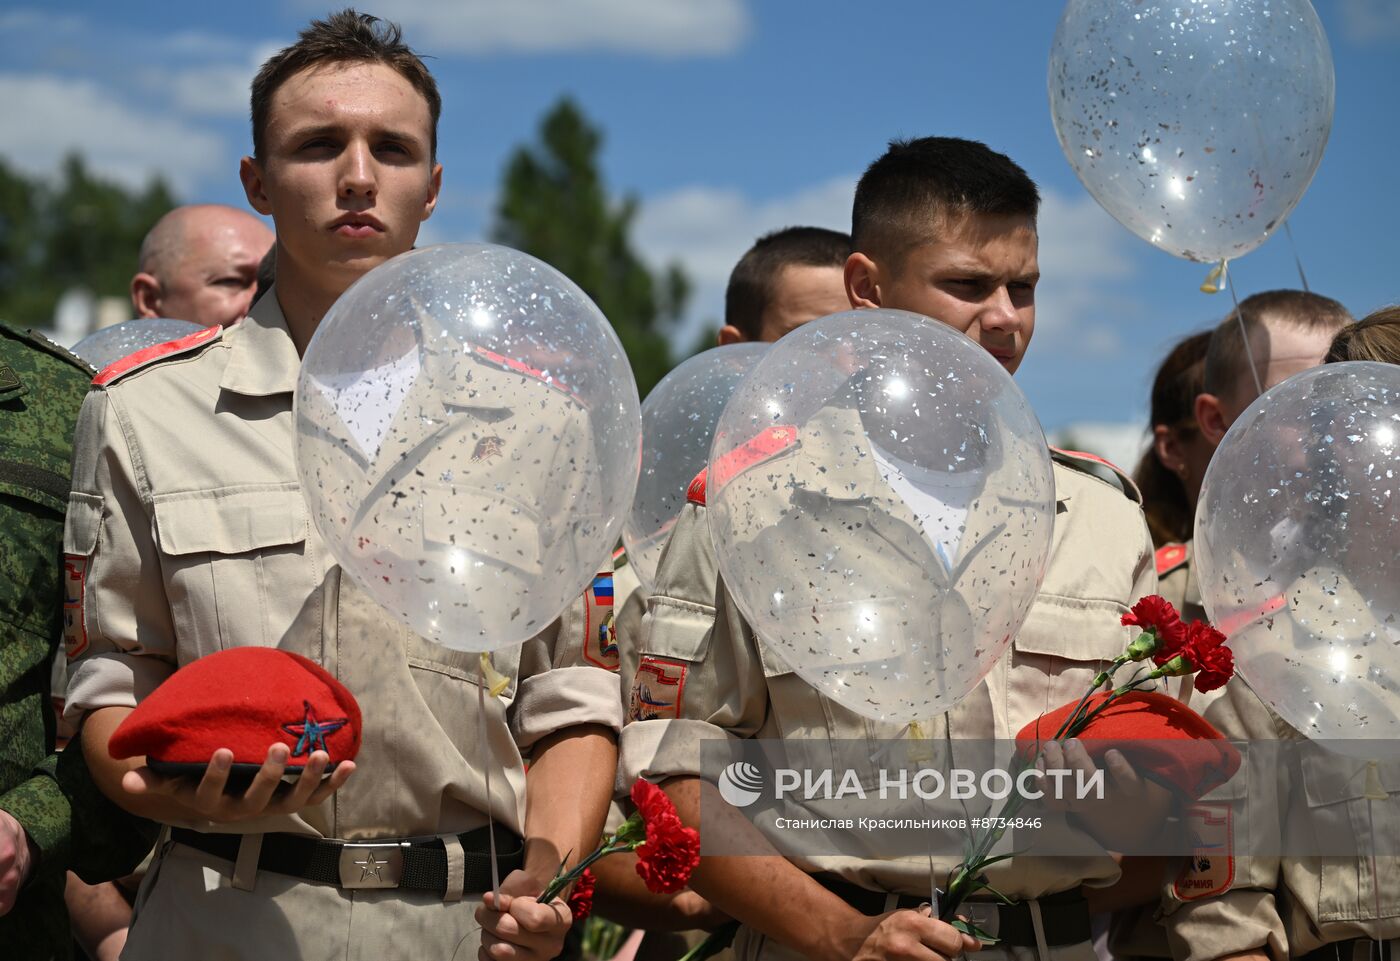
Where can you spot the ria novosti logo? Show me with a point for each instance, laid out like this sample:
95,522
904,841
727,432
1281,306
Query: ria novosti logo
741,784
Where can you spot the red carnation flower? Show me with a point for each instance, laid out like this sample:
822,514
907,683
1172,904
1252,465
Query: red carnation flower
581,901
1206,650
671,851
651,801
1155,613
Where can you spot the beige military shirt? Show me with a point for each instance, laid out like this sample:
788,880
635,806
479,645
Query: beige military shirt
1176,580
189,525
1224,901
702,673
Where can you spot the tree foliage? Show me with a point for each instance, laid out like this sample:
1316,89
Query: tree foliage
555,206
76,231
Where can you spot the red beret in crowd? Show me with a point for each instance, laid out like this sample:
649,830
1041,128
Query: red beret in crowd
245,699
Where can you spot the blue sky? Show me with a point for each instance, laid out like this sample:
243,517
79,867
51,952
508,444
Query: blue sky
728,118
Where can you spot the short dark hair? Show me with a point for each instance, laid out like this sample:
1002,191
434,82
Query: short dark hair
1170,513
1227,361
1376,337
903,197
750,290
343,37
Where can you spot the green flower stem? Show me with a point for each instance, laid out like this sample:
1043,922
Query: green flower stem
715,942
1099,681
562,881
964,881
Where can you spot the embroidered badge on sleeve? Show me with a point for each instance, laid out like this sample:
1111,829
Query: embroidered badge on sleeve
600,633
75,639
657,689
1211,868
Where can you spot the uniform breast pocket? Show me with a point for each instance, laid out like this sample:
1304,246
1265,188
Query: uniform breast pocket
1063,643
1351,809
237,565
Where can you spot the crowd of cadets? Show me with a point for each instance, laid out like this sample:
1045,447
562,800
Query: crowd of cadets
167,454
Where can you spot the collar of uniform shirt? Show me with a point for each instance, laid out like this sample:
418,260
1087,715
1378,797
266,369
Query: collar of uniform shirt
264,359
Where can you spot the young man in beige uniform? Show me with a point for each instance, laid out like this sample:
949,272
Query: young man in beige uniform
188,533
1253,908
786,279
945,228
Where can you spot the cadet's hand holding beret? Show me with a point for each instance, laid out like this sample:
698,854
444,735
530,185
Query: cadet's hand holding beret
244,699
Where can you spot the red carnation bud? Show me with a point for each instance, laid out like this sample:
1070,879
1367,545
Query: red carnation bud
581,901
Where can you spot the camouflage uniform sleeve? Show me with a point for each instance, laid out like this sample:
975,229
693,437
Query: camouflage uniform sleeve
1222,905
44,813
699,673
121,643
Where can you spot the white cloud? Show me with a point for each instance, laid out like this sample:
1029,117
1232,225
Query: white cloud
661,28
707,229
1083,262
45,117
1371,21
207,89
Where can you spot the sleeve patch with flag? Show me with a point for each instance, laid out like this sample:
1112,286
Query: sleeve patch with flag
599,629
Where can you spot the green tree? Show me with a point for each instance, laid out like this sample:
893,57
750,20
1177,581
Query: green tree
78,231
555,206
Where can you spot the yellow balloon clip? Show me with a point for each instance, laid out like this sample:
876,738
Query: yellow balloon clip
921,751
496,682
1216,280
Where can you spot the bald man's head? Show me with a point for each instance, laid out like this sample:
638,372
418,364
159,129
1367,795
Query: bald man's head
200,263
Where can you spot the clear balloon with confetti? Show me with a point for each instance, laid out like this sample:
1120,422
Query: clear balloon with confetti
468,435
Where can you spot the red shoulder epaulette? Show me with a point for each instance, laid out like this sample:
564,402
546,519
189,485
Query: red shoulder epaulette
146,355
510,363
1170,557
1068,457
695,493
772,441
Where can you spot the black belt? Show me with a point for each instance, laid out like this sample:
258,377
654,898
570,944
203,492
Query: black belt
417,864
1065,915
1355,948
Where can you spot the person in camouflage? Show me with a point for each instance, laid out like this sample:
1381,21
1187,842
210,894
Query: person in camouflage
47,804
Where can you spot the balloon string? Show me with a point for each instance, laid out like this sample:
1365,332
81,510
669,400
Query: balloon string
1244,335
1298,261
485,755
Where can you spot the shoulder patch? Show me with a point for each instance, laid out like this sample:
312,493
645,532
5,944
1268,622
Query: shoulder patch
148,355
1210,869
599,631
511,364
695,493
657,689
1169,557
36,339
1080,460
771,442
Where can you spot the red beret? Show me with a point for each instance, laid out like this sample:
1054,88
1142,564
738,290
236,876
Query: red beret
244,699
1161,737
